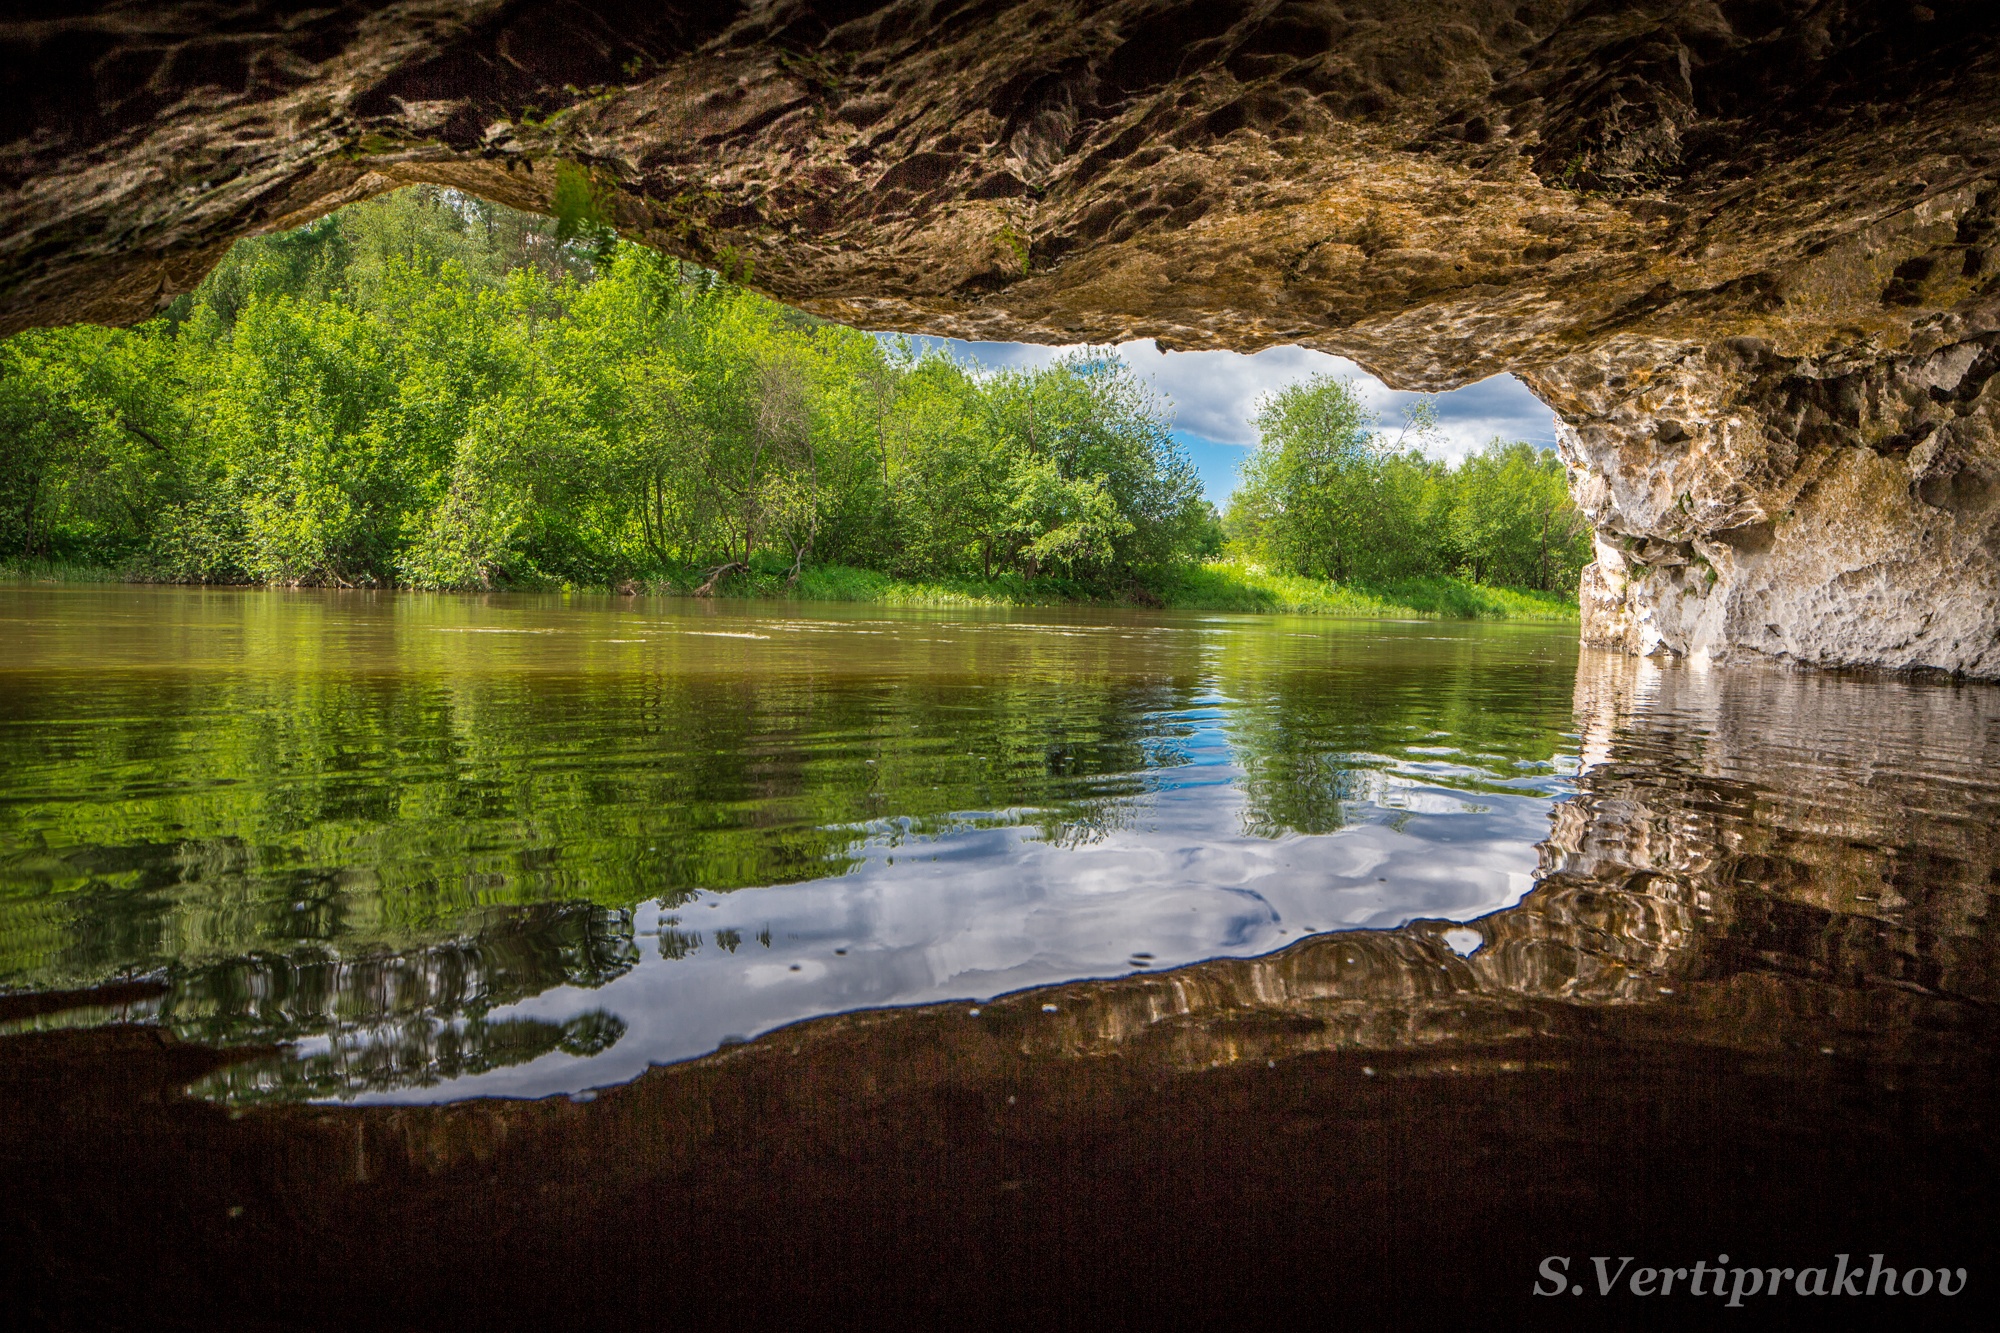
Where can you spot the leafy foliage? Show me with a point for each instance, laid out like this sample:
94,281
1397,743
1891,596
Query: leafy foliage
429,391
1326,495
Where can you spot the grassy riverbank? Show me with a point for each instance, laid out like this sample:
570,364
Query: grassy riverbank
1241,586
1217,586
64,571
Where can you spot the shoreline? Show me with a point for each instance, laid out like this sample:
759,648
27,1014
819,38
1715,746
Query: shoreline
1224,586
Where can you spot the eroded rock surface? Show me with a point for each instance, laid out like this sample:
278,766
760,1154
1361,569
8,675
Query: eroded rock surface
1743,247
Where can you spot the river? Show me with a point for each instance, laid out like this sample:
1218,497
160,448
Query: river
384,848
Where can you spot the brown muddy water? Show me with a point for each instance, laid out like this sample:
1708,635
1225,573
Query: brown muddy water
396,961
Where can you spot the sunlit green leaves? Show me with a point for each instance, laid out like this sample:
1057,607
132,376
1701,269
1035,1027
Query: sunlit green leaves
429,391
1329,495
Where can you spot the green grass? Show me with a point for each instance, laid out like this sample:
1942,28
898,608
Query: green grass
59,571
1241,586
844,583
1232,585
1218,586
839,583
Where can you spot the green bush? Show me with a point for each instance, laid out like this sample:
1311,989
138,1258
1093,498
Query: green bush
1327,495
429,391
426,391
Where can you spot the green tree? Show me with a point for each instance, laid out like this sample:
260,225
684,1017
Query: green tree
428,390
1099,484
1313,498
1327,494
1513,521
89,425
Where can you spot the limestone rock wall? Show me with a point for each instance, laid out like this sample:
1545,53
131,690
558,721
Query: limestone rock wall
1824,510
1743,247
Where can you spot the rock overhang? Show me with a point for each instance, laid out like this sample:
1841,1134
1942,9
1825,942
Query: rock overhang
1745,250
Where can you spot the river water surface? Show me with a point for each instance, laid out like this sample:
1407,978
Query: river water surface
942,968
442,847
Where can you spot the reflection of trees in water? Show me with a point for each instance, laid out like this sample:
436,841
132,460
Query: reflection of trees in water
383,864
417,1052
376,816
506,955
1083,823
168,819
1315,739
1293,788
1757,859
367,863
404,1019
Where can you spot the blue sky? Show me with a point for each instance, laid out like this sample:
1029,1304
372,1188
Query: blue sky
1214,394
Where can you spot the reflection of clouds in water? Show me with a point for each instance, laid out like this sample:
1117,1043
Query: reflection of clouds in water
1463,942
396,854
981,912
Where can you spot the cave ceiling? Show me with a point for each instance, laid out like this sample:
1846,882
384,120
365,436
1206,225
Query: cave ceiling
1441,190
1747,250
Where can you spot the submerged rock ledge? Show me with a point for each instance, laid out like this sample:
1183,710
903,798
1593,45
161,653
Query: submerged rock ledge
1744,248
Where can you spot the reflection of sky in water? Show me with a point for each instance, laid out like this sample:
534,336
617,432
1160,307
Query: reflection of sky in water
453,846
976,913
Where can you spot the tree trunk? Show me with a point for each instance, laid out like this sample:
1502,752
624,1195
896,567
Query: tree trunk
718,574
1545,548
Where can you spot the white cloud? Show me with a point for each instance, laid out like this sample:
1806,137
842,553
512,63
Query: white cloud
1215,394
976,913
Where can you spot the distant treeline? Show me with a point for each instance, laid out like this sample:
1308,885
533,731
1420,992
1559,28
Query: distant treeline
428,390
1325,494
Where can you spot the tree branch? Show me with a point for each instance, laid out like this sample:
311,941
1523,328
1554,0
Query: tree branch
143,434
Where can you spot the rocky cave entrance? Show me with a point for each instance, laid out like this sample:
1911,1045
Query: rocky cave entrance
1743,249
